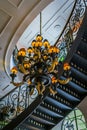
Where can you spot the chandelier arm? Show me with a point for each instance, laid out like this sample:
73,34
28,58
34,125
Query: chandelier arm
40,88
52,91
17,84
22,69
64,81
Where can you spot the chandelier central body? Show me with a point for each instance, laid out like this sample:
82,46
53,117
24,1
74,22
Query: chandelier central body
39,65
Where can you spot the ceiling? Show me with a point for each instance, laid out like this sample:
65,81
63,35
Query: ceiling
20,23
51,23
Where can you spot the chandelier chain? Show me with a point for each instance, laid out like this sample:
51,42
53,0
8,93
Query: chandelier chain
40,23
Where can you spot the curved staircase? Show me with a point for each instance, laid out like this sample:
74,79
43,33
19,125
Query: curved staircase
47,111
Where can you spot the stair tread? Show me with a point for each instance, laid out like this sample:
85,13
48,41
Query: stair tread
57,103
81,61
77,87
79,73
42,120
49,112
32,127
68,96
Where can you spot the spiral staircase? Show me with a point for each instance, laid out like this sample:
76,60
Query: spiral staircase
48,110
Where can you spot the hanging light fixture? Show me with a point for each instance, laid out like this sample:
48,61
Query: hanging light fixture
39,66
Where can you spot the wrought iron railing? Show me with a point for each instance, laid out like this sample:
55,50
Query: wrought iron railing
15,103
19,99
65,41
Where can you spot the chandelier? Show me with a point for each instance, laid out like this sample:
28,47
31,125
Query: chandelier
40,67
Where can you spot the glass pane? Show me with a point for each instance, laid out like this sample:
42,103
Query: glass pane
74,121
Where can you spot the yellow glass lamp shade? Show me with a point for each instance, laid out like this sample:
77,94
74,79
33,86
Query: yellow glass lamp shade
22,52
46,43
54,80
26,65
30,50
57,50
66,66
14,70
51,49
39,38
38,44
33,43
54,49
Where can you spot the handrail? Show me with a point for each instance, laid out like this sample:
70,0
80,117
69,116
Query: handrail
71,28
25,114
66,24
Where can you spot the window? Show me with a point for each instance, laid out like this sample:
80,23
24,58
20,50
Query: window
74,121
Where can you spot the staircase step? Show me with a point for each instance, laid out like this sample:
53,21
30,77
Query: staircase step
68,96
79,63
69,90
32,127
82,50
57,112
50,112
84,38
58,103
79,80
77,87
52,107
78,73
41,119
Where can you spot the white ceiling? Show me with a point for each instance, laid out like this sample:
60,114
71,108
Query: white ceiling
53,19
